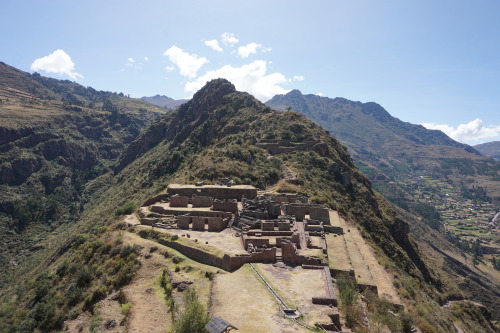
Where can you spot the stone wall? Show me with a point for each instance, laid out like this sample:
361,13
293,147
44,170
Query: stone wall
216,192
320,213
273,209
312,227
201,201
225,206
178,201
284,226
184,221
290,255
227,262
267,226
168,211
256,242
148,220
216,223
198,223
269,233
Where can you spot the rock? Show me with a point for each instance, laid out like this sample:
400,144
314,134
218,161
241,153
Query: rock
110,324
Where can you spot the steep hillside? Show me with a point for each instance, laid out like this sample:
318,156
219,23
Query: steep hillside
55,137
386,146
453,187
164,101
225,133
491,149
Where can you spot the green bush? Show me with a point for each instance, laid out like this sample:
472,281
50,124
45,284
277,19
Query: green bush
127,208
125,308
195,316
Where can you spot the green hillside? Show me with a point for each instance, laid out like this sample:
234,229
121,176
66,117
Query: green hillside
449,184
222,133
55,138
491,149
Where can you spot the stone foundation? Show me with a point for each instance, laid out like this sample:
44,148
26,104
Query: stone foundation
178,201
201,201
225,206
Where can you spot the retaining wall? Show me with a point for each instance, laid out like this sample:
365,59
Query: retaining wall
201,201
216,192
227,262
179,201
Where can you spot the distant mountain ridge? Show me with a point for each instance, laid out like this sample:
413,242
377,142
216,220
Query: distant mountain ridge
326,111
383,146
164,101
491,149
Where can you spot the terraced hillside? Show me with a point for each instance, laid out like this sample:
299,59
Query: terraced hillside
449,184
222,133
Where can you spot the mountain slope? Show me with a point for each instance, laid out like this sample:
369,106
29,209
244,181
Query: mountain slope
491,149
449,184
55,137
164,101
387,147
224,133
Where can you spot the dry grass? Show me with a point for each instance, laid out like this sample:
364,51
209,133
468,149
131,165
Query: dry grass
242,299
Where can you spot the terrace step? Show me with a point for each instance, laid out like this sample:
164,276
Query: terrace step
362,272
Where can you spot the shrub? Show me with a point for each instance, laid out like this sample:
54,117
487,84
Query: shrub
194,318
127,208
125,308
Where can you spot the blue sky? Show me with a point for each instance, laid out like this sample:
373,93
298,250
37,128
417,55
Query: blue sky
431,62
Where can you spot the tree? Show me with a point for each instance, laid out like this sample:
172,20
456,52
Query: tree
194,318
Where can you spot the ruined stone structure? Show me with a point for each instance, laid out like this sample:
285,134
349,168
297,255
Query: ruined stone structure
215,191
178,201
271,227
201,201
213,223
225,205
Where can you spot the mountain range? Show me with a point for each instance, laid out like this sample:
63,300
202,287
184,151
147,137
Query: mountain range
491,149
74,159
388,149
164,101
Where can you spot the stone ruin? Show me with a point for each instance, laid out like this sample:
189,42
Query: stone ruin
286,222
283,228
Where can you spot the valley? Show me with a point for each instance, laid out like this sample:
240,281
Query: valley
450,185
269,213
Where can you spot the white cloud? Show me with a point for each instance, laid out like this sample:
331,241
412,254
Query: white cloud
470,133
131,63
170,68
188,64
252,78
320,94
213,44
146,59
229,39
58,62
297,78
247,50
